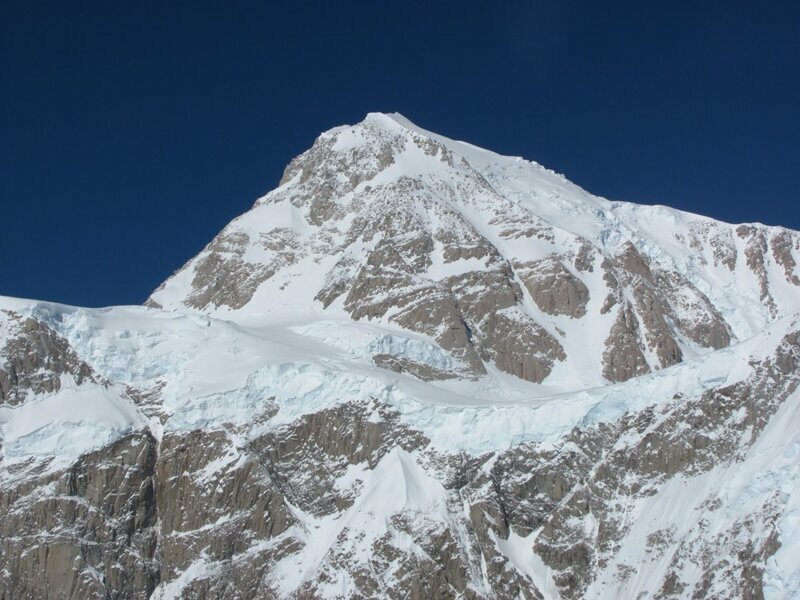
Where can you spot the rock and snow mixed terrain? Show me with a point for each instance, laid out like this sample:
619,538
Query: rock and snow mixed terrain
417,369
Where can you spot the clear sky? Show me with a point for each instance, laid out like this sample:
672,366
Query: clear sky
131,133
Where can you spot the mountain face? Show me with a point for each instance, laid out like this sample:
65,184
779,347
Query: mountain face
417,369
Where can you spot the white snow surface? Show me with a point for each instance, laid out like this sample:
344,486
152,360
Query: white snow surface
212,372
398,484
66,423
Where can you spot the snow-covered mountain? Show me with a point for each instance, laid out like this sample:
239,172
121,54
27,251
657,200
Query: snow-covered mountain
417,369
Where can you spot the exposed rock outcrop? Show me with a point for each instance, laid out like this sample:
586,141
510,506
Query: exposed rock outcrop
90,531
33,358
555,290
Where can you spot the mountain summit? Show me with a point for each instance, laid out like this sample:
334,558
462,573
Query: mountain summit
417,369
387,223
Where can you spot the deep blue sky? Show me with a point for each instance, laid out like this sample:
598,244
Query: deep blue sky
130,133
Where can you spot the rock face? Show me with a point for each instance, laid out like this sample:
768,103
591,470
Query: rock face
35,358
416,369
89,531
554,289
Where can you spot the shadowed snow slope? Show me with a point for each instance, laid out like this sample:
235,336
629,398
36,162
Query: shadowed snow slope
416,369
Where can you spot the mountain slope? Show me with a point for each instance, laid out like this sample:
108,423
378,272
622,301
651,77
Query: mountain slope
416,369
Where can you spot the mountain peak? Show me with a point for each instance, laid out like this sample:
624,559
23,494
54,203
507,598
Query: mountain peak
391,119
376,126
498,262
393,375
394,120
